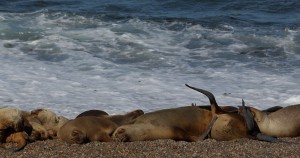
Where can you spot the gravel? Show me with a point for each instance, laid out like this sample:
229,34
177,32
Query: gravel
159,148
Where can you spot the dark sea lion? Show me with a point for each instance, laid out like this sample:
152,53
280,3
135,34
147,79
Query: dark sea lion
86,129
281,123
118,119
183,123
272,109
93,113
126,118
229,109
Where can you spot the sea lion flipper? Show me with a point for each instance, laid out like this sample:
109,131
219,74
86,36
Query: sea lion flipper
267,138
19,138
206,133
214,105
248,118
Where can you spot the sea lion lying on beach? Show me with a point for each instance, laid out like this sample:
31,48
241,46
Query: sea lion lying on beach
49,120
281,123
228,125
183,123
11,128
232,125
90,126
118,119
86,129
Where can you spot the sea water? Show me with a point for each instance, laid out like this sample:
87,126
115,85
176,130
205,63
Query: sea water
72,55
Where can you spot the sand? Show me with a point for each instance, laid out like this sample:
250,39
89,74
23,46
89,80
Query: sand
159,148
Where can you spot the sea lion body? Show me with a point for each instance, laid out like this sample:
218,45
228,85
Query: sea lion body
183,123
281,123
229,127
86,129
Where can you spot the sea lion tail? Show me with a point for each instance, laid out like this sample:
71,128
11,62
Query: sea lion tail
214,105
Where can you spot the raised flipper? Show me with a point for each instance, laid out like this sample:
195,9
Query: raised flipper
214,105
206,133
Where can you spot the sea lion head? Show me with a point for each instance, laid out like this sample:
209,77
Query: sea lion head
49,120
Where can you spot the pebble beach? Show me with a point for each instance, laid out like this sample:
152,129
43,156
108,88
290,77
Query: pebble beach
159,148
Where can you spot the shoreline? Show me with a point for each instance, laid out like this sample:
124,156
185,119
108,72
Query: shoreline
159,148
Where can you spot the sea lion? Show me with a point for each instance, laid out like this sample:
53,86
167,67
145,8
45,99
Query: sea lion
231,125
272,109
118,119
183,123
87,128
11,128
93,113
49,120
281,123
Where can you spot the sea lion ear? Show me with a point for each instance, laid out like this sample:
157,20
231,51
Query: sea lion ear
77,137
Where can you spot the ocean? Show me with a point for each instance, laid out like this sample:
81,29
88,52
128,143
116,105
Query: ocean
73,55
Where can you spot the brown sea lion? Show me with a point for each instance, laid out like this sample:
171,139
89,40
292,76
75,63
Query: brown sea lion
232,125
49,120
11,128
183,123
87,128
229,125
281,123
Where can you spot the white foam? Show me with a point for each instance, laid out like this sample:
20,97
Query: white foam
123,66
